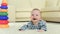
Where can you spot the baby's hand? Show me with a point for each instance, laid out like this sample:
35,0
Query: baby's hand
20,30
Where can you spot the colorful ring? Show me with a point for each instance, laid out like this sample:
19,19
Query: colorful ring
3,18
4,7
3,13
4,4
4,25
4,10
4,21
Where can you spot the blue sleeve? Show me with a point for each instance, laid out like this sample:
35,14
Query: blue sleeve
24,27
43,26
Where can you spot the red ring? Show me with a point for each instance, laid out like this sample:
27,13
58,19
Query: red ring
4,21
4,4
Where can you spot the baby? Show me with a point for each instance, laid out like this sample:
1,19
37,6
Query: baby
36,22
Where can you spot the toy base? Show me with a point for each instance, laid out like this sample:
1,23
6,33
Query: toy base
4,25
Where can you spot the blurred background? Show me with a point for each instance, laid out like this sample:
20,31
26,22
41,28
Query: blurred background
19,10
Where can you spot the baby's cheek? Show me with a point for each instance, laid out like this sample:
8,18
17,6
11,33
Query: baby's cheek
38,18
31,17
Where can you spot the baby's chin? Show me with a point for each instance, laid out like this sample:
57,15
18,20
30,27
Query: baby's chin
34,20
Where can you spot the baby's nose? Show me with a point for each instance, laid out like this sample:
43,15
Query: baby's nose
34,16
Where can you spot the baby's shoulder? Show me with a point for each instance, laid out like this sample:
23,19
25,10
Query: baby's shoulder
29,23
42,22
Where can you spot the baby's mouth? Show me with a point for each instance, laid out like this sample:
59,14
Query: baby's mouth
34,18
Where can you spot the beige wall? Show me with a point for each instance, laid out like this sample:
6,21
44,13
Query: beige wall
52,3
22,8
30,4
27,4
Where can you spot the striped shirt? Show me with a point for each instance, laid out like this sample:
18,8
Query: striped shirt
41,26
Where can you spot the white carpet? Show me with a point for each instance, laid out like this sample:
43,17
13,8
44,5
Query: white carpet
52,28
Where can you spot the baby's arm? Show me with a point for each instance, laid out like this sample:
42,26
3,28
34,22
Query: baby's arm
43,26
23,28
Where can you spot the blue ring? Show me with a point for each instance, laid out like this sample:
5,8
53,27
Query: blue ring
4,7
3,18
0,6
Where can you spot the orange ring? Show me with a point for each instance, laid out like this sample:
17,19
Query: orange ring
4,10
4,1
4,26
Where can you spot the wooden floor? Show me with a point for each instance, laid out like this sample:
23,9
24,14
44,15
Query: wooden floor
52,28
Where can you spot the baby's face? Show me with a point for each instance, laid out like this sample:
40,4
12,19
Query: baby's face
35,16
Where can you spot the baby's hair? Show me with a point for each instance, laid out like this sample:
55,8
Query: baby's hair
35,9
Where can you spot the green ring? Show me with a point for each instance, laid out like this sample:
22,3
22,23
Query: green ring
3,13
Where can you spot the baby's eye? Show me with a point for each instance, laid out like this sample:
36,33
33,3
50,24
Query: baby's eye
36,15
32,14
